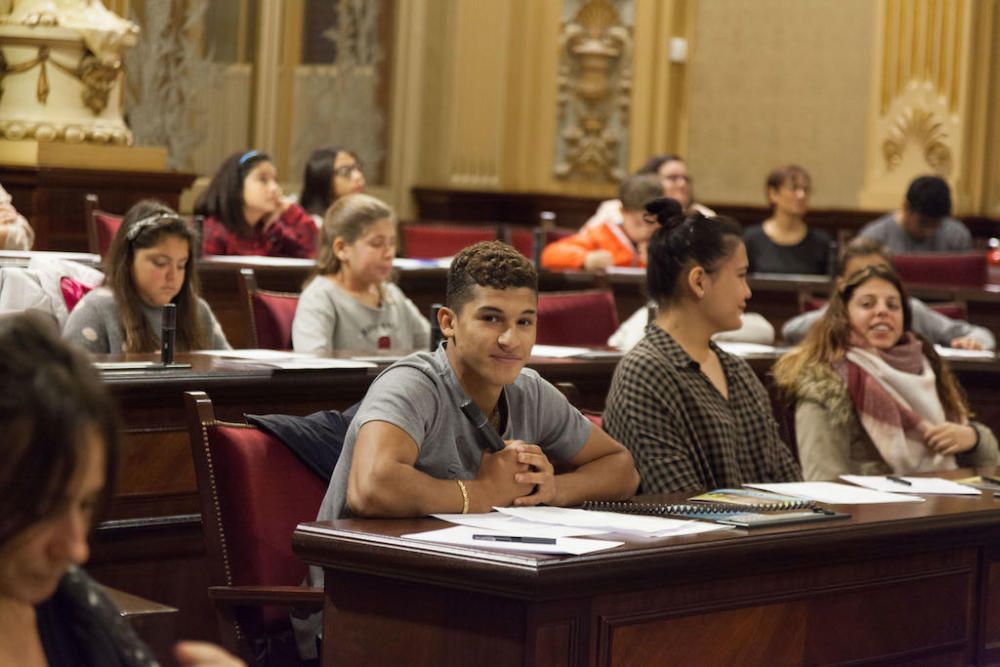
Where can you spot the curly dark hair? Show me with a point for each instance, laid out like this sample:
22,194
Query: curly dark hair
488,264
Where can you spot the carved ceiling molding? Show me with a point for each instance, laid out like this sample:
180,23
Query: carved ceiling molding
594,89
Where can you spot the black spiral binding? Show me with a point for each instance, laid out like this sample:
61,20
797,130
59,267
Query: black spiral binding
659,509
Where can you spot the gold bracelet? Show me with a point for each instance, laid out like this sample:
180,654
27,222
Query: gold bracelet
465,496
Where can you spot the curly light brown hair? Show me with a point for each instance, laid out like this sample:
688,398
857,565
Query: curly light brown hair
488,264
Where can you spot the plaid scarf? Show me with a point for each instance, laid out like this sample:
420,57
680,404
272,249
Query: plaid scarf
894,392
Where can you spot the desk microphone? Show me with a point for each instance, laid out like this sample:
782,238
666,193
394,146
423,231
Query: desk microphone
168,334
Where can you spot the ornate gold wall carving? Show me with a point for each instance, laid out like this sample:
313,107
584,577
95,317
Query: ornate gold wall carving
594,87
927,116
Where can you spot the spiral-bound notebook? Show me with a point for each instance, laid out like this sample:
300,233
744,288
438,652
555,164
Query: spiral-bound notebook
735,507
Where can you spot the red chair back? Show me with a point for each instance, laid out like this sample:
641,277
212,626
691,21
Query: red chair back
254,491
576,318
954,269
268,315
101,226
423,241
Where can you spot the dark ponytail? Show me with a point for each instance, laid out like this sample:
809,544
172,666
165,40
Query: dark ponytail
683,242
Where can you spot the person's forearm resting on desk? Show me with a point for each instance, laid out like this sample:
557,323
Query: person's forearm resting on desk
383,481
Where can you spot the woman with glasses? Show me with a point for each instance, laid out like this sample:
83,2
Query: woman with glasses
672,172
330,174
784,243
245,213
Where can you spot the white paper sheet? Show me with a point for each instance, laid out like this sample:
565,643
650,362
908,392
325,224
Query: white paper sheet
462,536
415,263
656,526
254,355
835,494
318,363
920,485
625,271
510,525
287,360
261,260
557,351
380,358
958,353
742,349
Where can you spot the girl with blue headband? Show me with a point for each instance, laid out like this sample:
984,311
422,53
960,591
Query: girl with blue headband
245,213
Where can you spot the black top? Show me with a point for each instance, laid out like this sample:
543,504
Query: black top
810,255
80,627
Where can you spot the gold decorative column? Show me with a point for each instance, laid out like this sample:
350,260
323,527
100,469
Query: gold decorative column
595,81
928,103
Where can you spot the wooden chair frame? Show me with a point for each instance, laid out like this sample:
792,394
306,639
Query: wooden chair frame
248,288
233,603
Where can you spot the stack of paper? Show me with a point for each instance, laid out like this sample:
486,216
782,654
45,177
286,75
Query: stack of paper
834,493
554,530
920,485
286,360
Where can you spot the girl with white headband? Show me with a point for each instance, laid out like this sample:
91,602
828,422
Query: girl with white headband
148,266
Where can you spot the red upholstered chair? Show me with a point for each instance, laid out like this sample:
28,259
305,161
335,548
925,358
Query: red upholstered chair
101,226
576,318
937,268
254,491
267,315
809,301
428,241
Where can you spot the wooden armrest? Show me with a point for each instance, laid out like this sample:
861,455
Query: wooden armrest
132,606
241,596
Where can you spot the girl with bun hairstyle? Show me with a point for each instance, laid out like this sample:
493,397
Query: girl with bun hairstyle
693,416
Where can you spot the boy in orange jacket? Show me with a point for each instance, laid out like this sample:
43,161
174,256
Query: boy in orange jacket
612,242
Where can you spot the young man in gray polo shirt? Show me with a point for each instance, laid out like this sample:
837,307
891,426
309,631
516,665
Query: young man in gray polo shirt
410,450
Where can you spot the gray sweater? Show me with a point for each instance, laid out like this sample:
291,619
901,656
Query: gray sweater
96,324
951,236
328,318
932,325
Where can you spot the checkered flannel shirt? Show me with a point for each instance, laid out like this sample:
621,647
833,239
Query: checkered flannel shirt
682,433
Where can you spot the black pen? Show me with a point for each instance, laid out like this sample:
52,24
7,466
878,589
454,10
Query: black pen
898,480
515,538
478,419
990,480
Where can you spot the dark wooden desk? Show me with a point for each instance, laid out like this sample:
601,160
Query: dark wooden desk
51,198
911,584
